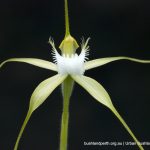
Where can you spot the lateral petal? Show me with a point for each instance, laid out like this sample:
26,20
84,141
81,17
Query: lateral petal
102,61
33,61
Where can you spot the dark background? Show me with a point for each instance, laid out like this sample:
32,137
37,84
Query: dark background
119,27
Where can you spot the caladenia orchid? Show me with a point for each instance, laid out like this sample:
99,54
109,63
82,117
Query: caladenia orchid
70,67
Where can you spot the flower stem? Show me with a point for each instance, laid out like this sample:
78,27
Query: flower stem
22,129
67,87
67,19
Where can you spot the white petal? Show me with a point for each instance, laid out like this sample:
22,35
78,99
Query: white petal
33,61
102,61
70,65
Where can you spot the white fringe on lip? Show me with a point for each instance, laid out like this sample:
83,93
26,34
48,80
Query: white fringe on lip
73,64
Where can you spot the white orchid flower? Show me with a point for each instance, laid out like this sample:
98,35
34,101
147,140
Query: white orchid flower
70,67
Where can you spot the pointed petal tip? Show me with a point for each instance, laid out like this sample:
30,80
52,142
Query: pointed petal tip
33,61
102,61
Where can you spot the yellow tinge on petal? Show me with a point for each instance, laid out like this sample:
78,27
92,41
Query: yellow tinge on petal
69,45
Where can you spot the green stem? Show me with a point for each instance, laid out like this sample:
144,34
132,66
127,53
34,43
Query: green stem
67,19
67,87
127,128
22,129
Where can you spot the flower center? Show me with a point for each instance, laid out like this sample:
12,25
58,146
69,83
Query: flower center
71,64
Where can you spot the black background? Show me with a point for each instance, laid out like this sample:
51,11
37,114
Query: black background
116,28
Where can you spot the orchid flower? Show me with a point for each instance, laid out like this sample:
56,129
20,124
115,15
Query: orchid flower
69,67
